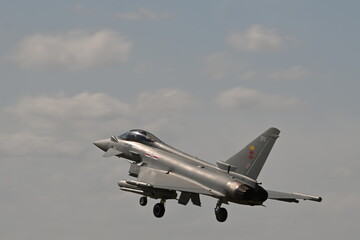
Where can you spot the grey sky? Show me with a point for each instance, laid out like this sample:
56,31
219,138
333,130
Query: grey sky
205,77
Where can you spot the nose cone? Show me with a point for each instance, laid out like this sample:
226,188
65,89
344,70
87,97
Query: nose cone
102,144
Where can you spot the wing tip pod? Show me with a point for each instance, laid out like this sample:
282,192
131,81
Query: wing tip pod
292,197
309,197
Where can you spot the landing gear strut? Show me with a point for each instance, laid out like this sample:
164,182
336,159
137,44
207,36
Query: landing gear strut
143,201
220,213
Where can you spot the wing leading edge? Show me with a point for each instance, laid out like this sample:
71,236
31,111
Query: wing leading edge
291,197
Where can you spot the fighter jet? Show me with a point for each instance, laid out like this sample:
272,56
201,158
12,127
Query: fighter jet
160,171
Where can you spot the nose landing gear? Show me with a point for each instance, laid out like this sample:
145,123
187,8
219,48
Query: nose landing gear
143,201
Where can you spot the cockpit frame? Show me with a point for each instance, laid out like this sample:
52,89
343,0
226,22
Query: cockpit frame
141,136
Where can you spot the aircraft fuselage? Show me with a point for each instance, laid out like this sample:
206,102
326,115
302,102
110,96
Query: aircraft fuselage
162,171
238,189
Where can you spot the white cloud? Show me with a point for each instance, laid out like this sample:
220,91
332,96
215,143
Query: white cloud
66,125
50,111
26,142
72,50
256,38
246,98
143,14
221,64
46,111
293,73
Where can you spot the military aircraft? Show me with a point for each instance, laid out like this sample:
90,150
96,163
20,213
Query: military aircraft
160,171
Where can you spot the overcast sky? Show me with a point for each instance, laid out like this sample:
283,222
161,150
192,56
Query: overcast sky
204,76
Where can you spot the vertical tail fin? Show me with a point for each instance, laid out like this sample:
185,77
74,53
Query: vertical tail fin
250,160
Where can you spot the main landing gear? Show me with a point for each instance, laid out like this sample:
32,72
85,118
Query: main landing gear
220,213
159,208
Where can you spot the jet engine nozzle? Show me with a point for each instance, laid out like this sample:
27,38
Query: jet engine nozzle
257,194
244,191
239,191
261,194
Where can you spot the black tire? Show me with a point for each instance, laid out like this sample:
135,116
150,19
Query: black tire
221,214
159,210
143,201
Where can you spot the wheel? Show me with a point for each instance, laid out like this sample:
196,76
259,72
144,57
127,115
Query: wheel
143,201
221,214
159,210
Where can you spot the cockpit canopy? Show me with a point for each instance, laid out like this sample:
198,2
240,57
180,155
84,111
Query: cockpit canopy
141,136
